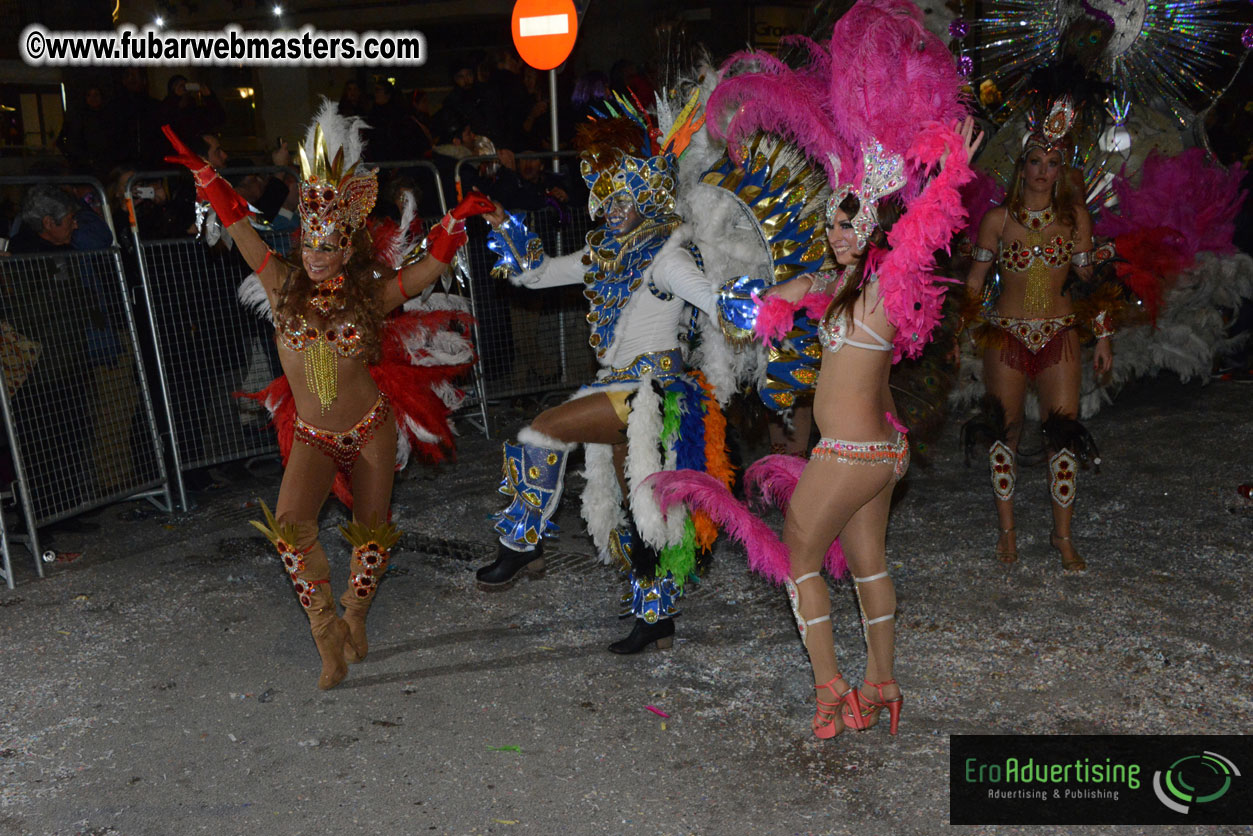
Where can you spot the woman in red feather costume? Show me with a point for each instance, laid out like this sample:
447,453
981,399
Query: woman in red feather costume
355,384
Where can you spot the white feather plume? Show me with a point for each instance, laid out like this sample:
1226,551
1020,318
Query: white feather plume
601,508
338,132
253,297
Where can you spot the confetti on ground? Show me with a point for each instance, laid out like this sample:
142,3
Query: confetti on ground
657,711
517,749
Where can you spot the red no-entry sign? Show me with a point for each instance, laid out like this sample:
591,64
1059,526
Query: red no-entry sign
544,31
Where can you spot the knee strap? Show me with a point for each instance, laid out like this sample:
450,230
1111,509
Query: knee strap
1004,473
866,622
794,597
1062,471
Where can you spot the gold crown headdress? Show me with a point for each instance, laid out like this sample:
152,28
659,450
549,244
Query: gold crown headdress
335,197
1050,134
882,174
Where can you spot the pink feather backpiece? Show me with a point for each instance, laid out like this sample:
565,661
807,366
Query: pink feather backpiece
980,194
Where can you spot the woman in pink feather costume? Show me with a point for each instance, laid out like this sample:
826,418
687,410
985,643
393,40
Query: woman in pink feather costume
844,493
879,106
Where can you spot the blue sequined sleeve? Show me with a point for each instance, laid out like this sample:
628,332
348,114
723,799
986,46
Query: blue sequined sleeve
519,249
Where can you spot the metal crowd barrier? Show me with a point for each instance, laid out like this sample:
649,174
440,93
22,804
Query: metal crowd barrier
530,342
76,407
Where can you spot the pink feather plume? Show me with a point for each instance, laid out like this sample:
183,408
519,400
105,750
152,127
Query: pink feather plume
766,553
912,295
980,194
1188,193
889,76
776,316
758,92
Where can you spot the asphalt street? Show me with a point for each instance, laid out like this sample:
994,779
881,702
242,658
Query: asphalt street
164,681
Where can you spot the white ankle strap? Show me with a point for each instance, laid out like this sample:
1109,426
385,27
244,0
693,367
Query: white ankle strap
818,620
807,577
887,617
883,574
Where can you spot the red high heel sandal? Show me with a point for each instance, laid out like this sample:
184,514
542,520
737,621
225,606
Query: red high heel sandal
870,708
824,718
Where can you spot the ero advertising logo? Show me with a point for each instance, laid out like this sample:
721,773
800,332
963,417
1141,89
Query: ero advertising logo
1105,779
1210,774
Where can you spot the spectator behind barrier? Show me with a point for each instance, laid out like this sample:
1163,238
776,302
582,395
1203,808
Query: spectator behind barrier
351,102
274,196
191,108
394,132
45,306
140,134
470,101
91,135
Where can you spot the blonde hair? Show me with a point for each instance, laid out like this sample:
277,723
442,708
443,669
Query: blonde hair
1065,196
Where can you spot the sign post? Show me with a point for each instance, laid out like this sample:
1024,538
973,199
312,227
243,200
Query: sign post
544,32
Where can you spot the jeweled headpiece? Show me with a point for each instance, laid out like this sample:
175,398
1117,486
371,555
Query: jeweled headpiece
335,195
882,174
623,151
650,182
1050,134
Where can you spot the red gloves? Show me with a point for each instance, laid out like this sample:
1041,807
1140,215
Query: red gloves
229,206
475,203
449,234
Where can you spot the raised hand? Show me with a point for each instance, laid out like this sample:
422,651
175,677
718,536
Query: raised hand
970,140
227,202
475,203
184,156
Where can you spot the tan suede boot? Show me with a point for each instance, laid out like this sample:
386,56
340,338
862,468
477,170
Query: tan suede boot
310,573
371,548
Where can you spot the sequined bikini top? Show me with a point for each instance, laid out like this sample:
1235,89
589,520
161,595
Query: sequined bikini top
831,333
297,334
1019,256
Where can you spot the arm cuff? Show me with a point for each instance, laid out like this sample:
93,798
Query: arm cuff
1102,325
519,249
982,254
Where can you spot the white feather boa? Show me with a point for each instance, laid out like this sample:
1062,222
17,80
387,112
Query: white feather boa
602,497
643,460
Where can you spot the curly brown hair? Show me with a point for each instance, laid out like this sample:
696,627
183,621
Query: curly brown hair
360,298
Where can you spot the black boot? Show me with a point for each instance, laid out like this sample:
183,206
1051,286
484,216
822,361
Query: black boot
645,634
504,571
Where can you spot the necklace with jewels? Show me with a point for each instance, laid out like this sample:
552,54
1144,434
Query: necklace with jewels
1036,219
328,296
1039,285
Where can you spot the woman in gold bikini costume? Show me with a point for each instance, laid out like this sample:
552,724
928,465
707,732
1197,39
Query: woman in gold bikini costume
1038,236
328,311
